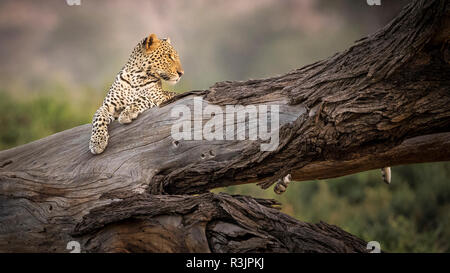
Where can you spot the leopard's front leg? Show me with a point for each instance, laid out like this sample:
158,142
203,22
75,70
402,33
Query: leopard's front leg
99,136
143,102
139,105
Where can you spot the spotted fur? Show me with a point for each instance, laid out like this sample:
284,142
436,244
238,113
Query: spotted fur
137,87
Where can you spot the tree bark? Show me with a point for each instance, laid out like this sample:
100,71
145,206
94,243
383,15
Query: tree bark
207,222
383,102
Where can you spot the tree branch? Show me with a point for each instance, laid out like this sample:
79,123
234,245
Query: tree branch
208,222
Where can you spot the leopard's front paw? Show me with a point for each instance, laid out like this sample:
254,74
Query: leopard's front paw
127,116
124,118
98,142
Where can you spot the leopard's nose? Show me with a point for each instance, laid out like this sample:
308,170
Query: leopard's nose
180,72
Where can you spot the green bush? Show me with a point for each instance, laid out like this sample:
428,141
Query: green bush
26,119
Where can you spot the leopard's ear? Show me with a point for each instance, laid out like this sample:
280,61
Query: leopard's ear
151,42
168,40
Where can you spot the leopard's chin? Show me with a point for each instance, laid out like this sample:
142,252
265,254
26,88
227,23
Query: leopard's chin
172,81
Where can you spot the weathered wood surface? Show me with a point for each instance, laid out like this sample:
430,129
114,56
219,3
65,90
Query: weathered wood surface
207,222
384,101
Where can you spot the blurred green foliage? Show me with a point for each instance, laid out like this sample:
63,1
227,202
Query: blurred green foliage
24,118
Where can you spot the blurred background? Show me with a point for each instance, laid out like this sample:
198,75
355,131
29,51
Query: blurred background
58,61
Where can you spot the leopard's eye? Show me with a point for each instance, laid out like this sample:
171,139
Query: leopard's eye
171,57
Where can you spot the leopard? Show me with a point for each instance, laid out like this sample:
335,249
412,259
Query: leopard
137,87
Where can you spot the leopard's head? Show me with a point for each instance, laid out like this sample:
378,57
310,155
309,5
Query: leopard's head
159,59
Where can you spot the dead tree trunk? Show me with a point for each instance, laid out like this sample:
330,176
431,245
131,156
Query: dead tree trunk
385,101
